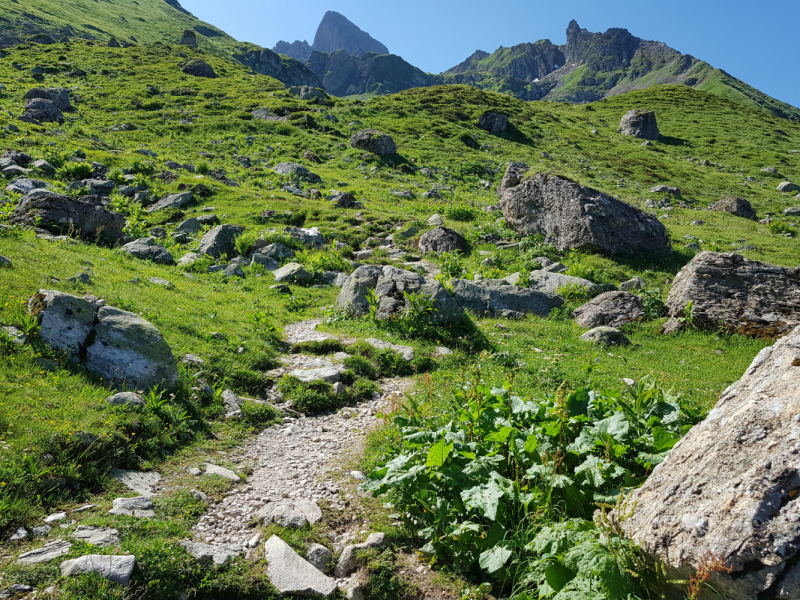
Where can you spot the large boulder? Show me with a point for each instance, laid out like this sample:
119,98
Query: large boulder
172,201
441,239
493,121
515,172
23,185
372,140
117,569
189,38
570,215
84,216
788,186
640,124
42,110
199,68
58,96
728,490
738,207
611,309
130,352
149,249
499,298
550,282
220,240
119,346
730,291
297,171
389,284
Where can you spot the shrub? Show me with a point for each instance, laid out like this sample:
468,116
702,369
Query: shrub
780,228
328,346
653,304
140,167
308,398
73,171
362,367
362,390
460,213
317,262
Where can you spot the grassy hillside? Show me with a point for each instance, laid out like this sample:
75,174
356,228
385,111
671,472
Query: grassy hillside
135,99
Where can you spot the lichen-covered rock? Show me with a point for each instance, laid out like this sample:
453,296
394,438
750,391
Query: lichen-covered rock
85,216
729,488
606,336
744,296
65,321
389,284
611,309
493,121
116,569
442,239
640,124
129,351
515,172
372,140
499,298
570,215
738,207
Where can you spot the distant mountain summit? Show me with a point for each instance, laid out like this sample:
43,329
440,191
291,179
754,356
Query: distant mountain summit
334,33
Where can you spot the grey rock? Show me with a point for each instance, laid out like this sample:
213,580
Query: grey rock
220,240
19,535
637,283
138,481
570,215
140,507
269,264
212,469
435,221
189,39
44,167
233,271
640,124
149,249
277,252
407,352
55,517
329,374
319,556
666,189
233,405
172,201
65,321
297,171
741,295
129,350
612,309
126,399
160,282
116,569
42,110
788,186
46,553
294,514
345,200
389,284
338,387
499,298
290,574
189,258
441,239
217,555
727,488
190,225
550,282
792,211
374,141
738,207
493,122
5,262
84,216
44,530
310,237
197,494
58,96
98,187
294,273
97,536
607,336
348,561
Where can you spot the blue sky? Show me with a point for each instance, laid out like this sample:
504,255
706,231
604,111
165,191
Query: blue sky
754,41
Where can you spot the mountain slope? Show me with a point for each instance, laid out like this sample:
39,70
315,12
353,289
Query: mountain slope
137,22
368,75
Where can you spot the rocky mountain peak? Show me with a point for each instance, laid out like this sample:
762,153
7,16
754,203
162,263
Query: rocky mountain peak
614,48
336,32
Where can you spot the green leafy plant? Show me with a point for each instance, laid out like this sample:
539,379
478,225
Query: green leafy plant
451,265
73,171
652,304
687,315
460,213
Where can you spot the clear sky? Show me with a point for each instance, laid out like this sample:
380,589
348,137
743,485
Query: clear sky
755,41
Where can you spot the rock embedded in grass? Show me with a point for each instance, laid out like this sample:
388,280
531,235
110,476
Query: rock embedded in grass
612,309
293,575
499,298
294,514
117,569
212,469
46,553
738,207
207,554
149,249
606,336
292,273
220,240
640,124
374,141
442,239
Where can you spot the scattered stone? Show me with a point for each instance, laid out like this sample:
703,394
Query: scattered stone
738,207
294,514
220,240
640,124
319,556
441,239
45,167
233,405
607,336
611,309
149,249
101,537
137,481
637,283
742,295
727,489
550,282
435,221
19,535
372,140
55,517
172,201
5,262
297,171
666,189
46,553
309,237
199,68
293,273
788,186
499,298
277,252
42,111
140,507
572,216
189,39
792,211
160,282
116,569
348,561
212,469
290,574
216,555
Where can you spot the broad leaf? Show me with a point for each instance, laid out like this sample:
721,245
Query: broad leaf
438,454
663,439
593,468
494,559
617,427
558,576
484,498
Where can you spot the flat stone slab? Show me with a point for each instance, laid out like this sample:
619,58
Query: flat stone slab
97,536
329,374
207,554
407,352
291,574
290,513
222,472
140,507
116,569
139,482
46,553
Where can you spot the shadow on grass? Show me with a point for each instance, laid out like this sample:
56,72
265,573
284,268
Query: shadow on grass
671,264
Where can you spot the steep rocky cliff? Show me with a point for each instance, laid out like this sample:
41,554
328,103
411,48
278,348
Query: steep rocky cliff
334,33
345,75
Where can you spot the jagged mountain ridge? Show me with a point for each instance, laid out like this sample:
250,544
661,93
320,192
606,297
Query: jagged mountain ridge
335,32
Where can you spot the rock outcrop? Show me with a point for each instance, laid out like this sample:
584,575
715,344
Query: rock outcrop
611,309
640,124
85,217
199,68
729,488
570,215
738,207
119,346
730,291
493,122
287,71
499,298
372,140
336,32
390,284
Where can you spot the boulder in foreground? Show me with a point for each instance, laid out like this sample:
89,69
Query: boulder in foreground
729,488
291,574
730,291
640,124
570,215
